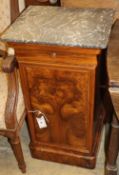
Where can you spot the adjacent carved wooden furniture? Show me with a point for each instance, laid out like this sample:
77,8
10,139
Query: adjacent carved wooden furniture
113,70
62,80
12,108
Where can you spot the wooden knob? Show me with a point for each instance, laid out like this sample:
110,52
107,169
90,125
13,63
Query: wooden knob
54,54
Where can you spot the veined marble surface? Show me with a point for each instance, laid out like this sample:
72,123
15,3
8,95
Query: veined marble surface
88,28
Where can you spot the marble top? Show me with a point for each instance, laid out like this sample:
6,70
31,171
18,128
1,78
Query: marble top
88,28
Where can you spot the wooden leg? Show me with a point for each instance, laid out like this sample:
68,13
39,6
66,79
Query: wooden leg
16,146
111,168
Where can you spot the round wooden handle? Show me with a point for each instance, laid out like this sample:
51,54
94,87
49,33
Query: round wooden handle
54,54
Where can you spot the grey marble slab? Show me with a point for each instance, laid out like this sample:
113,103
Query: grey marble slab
88,28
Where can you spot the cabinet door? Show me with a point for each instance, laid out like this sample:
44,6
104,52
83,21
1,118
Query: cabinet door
65,96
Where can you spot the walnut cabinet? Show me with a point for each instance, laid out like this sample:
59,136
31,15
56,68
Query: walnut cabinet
64,84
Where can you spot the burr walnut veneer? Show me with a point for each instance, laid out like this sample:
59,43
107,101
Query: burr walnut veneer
60,66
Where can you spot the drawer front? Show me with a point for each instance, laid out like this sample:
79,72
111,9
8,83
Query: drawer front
65,97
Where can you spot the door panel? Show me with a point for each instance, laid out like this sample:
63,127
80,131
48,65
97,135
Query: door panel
62,95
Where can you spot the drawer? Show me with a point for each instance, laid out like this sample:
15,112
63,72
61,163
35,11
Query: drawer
59,56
